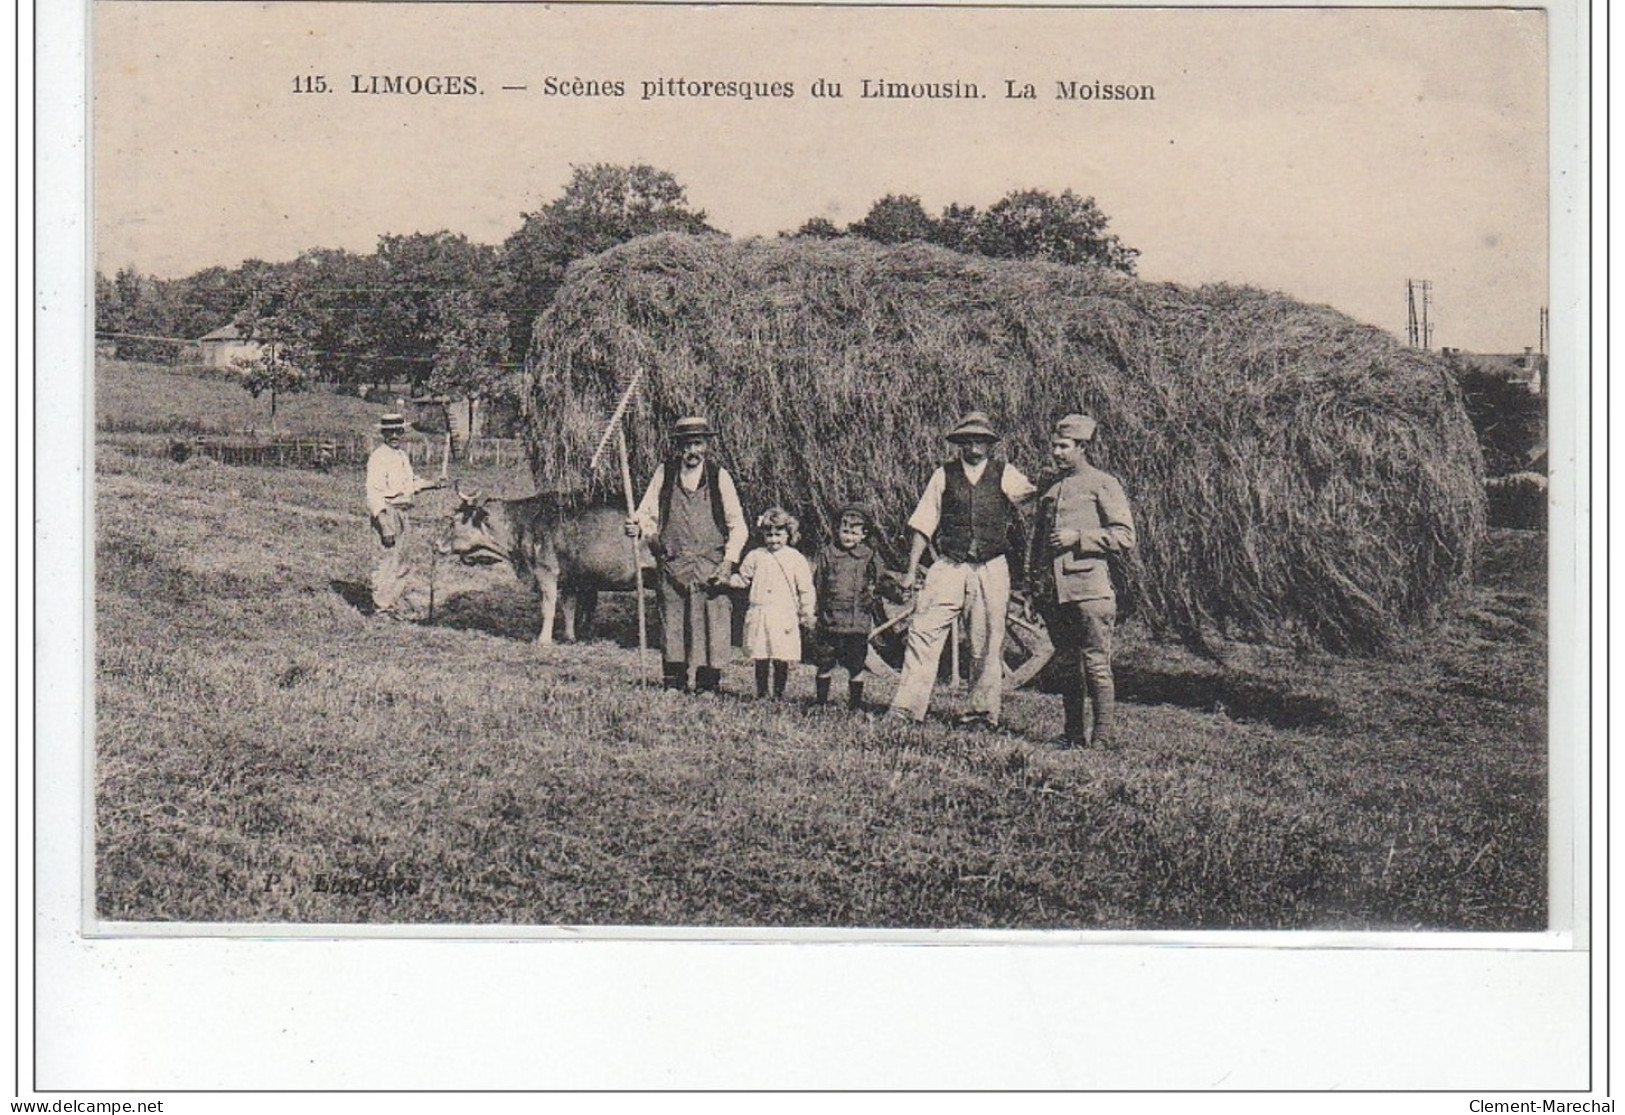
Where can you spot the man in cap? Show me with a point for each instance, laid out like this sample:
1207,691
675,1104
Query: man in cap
1083,521
391,486
966,512
696,527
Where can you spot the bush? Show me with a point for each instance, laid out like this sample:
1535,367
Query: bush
1517,501
1510,423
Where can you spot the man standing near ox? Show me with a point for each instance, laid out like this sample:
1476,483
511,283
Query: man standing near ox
696,528
1083,520
966,511
391,486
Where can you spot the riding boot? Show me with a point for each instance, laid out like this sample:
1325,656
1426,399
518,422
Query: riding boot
1075,732
821,689
708,679
1105,698
854,695
761,678
674,676
781,678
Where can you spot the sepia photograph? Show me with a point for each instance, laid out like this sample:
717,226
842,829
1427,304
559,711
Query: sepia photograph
750,468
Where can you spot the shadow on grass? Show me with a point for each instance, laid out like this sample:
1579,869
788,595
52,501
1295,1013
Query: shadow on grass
355,594
1238,697
507,614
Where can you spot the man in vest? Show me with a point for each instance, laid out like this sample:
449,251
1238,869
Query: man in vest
966,512
391,487
696,528
1083,520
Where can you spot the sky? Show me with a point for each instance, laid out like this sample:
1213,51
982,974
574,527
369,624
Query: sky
1329,154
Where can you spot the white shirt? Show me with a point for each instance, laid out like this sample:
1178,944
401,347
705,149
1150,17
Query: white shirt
391,481
1016,488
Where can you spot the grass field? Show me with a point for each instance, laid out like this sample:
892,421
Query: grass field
267,753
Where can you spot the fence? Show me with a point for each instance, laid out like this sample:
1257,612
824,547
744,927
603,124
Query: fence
292,452
503,452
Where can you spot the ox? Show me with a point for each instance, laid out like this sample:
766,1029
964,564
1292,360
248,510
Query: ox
563,552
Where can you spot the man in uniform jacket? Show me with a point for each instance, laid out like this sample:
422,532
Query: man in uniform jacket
966,512
1083,521
391,487
692,516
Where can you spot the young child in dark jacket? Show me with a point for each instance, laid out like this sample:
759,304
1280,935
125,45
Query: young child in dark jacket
846,575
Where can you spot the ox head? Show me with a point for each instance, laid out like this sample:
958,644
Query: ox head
476,535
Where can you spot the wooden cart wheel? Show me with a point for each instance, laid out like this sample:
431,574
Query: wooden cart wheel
886,642
1027,645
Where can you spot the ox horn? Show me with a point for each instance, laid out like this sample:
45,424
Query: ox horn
465,497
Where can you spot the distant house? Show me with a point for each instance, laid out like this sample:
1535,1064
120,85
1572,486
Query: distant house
219,348
1527,368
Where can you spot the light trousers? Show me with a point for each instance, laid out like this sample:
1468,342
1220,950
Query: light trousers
980,592
392,576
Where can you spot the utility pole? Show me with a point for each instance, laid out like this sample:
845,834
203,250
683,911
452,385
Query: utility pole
1545,329
1418,304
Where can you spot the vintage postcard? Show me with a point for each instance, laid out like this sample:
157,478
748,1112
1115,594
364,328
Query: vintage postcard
1040,476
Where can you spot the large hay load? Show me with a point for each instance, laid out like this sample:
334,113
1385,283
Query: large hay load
1296,476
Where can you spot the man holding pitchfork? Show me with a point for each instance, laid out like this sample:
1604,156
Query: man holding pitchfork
695,525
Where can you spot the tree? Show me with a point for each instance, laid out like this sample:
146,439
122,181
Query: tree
957,227
1035,224
895,219
318,309
818,228
279,316
208,299
1509,420
417,278
139,307
470,359
603,205
1024,224
272,371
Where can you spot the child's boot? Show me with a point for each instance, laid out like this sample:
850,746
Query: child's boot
761,679
854,696
821,689
674,675
781,677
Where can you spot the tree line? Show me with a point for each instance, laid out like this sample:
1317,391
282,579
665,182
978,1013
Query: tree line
444,315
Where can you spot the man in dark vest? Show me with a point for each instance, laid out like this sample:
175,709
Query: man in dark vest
696,527
1083,521
966,512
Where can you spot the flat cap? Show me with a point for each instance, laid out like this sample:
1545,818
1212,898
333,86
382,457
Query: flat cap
973,427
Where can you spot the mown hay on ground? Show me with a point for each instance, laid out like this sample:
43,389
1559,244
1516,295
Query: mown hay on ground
1297,476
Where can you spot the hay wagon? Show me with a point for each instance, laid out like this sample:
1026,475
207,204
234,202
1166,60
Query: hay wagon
1299,478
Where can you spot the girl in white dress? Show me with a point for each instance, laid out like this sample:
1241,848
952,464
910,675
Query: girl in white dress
782,601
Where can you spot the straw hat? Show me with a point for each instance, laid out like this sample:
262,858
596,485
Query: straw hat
692,426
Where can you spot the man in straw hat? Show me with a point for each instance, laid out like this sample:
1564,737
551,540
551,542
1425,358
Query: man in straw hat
696,527
966,512
1083,521
391,486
